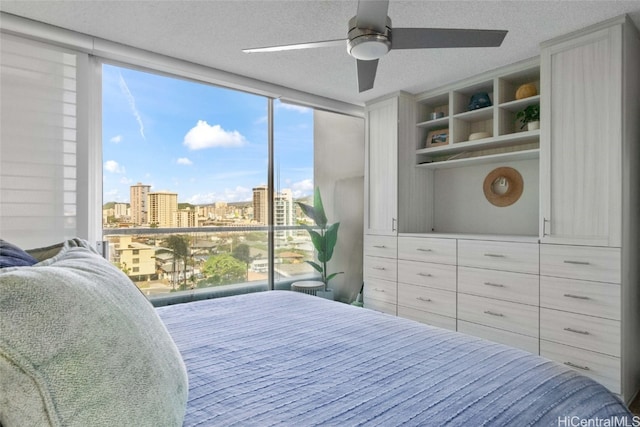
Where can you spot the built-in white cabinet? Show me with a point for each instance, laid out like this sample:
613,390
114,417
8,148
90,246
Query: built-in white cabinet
498,288
381,163
582,145
580,312
380,273
589,161
556,272
427,280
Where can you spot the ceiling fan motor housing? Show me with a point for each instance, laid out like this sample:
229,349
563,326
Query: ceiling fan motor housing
367,44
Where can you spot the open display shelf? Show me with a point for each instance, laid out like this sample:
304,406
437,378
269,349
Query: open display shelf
505,141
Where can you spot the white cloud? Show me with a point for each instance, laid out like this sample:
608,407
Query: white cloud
116,139
184,161
238,194
302,188
132,104
126,181
113,167
203,135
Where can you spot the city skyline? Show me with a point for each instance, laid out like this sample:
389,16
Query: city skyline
206,143
161,209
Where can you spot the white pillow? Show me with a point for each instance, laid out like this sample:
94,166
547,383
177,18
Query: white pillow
81,346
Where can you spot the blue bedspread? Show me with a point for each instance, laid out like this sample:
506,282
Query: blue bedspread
289,359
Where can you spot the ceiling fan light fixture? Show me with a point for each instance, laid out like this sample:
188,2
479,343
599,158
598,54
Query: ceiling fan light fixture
367,44
368,48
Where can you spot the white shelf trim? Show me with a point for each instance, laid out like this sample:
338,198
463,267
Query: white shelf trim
512,156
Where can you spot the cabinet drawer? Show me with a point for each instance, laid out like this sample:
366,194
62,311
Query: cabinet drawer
510,316
512,339
516,287
507,256
577,296
439,276
427,299
380,268
602,368
578,330
580,262
428,249
380,289
428,318
381,246
377,305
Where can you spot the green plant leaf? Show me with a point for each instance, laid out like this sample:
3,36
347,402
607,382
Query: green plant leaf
321,218
331,237
331,276
309,211
315,265
318,241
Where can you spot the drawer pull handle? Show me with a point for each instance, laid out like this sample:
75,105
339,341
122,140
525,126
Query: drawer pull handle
495,255
576,296
423,299
379,268
378,290
576,331
425,274
573,365
424,250
492,313
495,285
568,261
380,246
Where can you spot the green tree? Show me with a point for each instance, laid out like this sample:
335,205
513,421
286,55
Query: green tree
180,247
242,252
223,269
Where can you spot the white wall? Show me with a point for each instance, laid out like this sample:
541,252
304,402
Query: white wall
339,172
461,207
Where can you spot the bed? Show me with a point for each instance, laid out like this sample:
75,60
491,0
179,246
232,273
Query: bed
81,346
284,358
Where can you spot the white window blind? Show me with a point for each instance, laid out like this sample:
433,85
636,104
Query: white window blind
38,142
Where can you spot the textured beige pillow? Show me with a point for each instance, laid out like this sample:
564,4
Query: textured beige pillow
81,346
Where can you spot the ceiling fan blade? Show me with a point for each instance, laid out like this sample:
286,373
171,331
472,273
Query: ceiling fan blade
420,38
372,14
309,45
366,74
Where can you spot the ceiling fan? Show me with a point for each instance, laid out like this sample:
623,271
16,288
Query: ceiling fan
370,36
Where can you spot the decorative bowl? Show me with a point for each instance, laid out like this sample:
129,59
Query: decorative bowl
479,135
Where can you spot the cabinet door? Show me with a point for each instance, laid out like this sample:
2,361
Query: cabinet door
381,197
581,139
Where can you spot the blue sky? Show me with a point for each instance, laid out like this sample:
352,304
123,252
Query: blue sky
205,143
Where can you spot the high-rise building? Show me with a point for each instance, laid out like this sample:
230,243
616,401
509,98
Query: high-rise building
185,218
261,205
283,211
120,210
163,206
139,203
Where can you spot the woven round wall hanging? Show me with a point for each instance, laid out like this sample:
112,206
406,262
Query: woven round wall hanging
503,186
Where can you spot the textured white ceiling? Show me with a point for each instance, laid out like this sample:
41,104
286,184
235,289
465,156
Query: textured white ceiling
213,33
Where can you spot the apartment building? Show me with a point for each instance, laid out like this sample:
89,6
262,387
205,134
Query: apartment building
139,203
163,206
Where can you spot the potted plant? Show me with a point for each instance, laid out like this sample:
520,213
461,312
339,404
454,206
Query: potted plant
530,117
324,237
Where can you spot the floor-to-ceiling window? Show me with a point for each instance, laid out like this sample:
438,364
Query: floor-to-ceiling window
186,198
